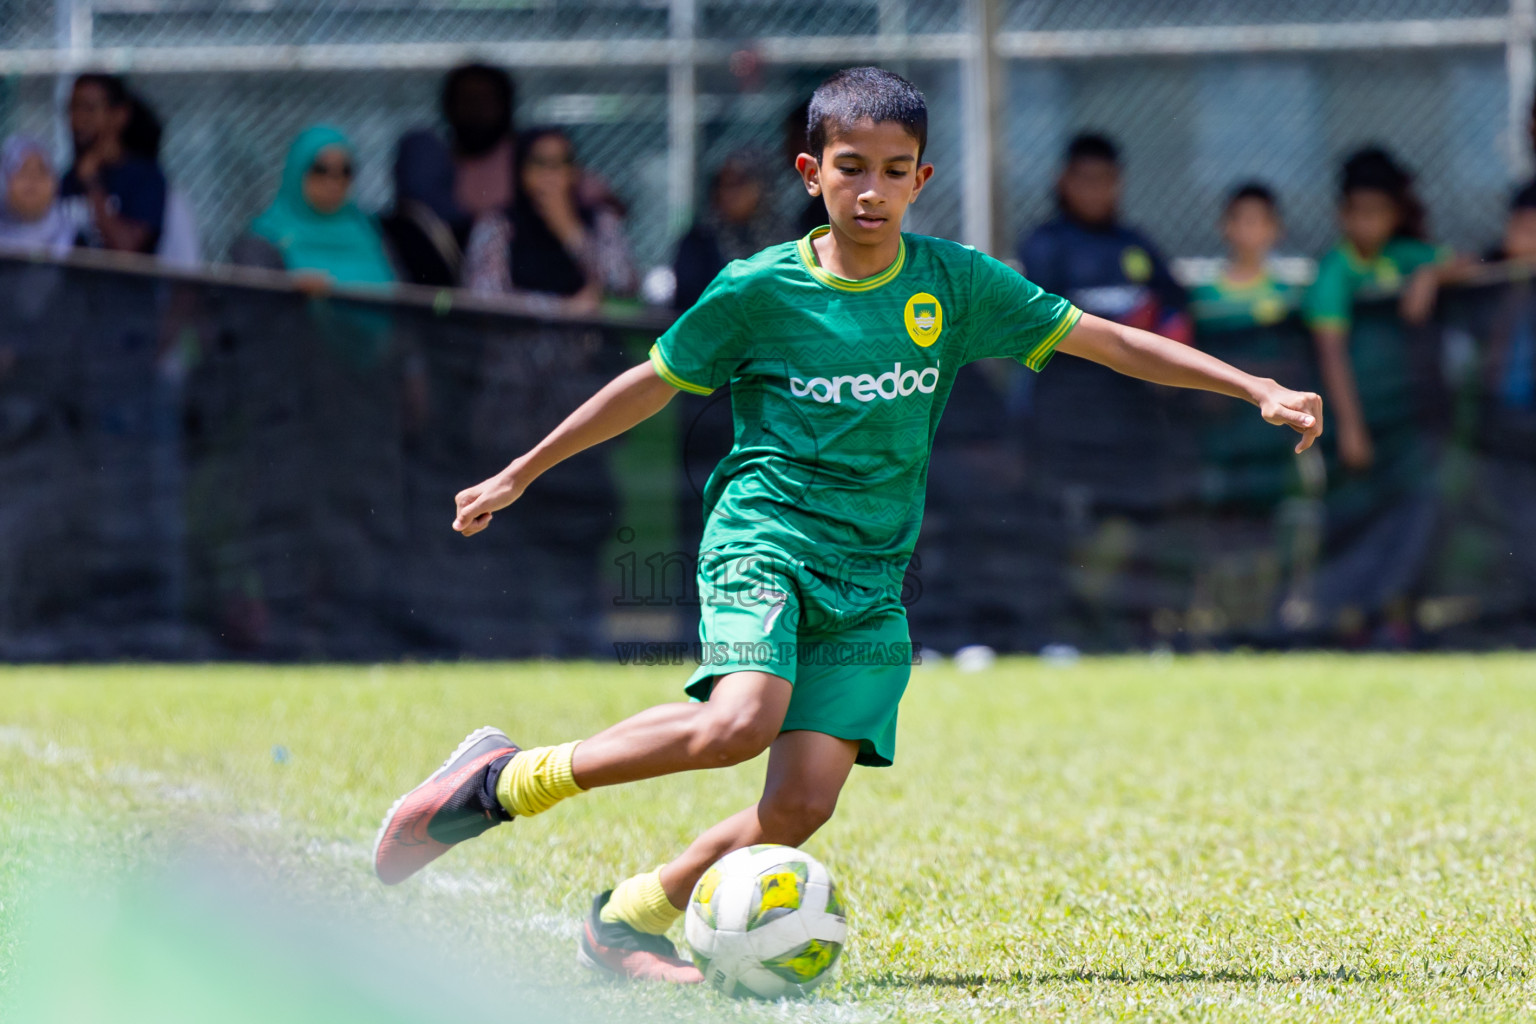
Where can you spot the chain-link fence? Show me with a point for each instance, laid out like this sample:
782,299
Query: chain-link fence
1201,93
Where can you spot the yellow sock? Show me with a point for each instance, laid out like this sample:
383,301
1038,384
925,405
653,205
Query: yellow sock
535,780
641,903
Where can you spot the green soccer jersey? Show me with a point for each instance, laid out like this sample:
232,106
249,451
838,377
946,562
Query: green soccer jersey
1343,272
1227,305
837,387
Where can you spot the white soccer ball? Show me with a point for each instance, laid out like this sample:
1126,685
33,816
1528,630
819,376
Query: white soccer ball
766,921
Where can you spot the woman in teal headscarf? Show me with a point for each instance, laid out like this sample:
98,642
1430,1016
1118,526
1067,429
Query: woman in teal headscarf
313,223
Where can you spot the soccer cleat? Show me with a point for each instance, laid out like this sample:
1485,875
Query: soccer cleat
455,803
620,951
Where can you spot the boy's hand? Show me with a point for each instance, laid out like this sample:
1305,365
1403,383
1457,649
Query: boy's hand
1417,303
1356,451
476,504
1302,411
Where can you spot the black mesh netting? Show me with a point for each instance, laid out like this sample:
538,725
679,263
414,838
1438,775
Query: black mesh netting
191,469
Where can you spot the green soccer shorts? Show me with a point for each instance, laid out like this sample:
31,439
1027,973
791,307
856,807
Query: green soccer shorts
844,647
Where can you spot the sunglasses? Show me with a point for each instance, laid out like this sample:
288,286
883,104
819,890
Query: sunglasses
559,163
323,170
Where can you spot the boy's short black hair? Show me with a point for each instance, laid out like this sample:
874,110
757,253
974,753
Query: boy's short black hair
1525,199
1092,146
1373,169
113,85
1255,190
496,77
853,94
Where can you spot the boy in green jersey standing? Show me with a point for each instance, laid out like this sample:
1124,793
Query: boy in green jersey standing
1246,293
840,349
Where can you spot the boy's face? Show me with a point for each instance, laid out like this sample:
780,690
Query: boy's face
92,116
1520,235
1251,227
868,176
1368,219
1090,190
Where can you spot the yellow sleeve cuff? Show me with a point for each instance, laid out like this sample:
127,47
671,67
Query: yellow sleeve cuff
665,373
1037,357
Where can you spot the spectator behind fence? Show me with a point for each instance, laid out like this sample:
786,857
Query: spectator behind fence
1120,459
478,103
1086,254
552,244
1380,376
312,228
1518,241
31,214
426,229
1506,410
737,223
125,192
1246,292
1383,249
180,244
1243,315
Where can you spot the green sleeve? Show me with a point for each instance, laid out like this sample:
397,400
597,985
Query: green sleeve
1203,299
1411,254
1329,301
1012,317
703,348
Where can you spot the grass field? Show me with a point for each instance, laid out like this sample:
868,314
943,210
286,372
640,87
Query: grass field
1223,838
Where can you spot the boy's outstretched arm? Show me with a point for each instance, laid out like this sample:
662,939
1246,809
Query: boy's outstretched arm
1139,353
634,395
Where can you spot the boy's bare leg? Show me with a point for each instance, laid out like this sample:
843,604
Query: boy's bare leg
488,780
806,772
739,721
624,934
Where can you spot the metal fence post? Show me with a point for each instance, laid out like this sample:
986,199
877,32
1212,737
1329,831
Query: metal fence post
979,73
72,31
682,115
1518,65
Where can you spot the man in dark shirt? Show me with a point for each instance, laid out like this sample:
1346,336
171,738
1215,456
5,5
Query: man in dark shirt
1086,255
125,192
1118,458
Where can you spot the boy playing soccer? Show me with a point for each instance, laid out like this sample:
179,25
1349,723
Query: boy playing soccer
840,350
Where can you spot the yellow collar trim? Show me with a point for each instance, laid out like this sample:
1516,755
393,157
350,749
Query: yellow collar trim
831,280
1263,282
1359,263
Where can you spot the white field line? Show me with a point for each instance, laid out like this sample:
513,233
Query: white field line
162,789
179,793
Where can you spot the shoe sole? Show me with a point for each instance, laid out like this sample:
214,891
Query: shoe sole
596,966
389,815
585,959
590,962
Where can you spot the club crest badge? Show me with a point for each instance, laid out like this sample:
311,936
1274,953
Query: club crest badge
925,319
